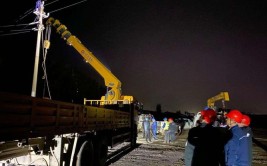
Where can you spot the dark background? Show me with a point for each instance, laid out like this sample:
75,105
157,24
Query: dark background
173,53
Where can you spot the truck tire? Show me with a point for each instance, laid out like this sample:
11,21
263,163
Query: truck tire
100,152
85,156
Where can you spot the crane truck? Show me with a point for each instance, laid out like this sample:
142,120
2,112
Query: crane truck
59,133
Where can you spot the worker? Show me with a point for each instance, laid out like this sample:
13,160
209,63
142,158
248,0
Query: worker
236,150
244,125
165,121
143,127
173,127
165,130
154,128
205,143
147,129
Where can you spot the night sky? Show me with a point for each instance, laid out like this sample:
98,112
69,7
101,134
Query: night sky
169,52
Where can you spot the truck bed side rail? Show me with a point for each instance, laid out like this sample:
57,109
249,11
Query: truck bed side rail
27,117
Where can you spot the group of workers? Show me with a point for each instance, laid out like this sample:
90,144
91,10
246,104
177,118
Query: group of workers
168,129
210,144
149,126
230,145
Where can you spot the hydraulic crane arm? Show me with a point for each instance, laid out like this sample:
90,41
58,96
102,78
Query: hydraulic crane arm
113,83
224,96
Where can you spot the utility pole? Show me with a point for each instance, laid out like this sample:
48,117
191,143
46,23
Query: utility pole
39,11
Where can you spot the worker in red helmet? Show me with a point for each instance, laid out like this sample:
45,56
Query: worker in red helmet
173,130
205,143
245,126
167,136
236,149
209,116
245,121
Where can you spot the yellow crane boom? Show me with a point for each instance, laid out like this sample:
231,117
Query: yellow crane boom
112,83
223,96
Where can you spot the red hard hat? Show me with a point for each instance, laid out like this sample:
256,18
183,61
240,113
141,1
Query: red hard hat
209,115
235,115
202,112
170,119
246,120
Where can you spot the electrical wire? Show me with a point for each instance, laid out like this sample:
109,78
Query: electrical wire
31,10
25,14
15,25
46,163
45,48
51,150
16,31
51,2
67,6
8,34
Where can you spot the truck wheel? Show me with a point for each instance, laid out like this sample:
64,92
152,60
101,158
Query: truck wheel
85,157
100,152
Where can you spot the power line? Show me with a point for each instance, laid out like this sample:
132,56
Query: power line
14,25
25,14
9,34
17,30
51,2
31,11
67,6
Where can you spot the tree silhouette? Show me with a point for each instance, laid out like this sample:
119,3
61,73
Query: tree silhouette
158,108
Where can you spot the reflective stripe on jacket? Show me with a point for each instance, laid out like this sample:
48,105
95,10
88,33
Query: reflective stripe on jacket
167,124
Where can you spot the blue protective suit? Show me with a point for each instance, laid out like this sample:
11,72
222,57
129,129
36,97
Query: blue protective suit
147,129
154,128
236,149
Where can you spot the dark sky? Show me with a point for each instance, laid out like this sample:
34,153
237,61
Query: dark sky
169,52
